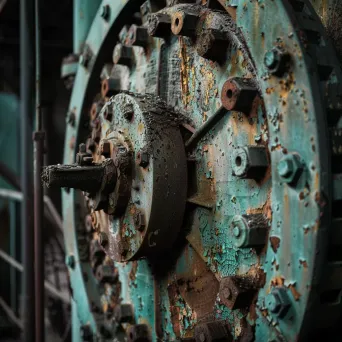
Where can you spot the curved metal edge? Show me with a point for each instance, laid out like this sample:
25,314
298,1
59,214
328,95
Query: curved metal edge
85,291
303,130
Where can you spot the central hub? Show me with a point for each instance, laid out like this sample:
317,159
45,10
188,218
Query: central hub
147,205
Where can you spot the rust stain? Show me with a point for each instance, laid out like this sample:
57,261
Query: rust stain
141,128
277,281
275,243
303,263
132,274
296,295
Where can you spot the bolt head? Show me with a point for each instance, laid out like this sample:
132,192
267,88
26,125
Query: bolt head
103,239
106,149
271,58
139,221
239,231
290,168
70,261
143,159
105,12
278,302
277,61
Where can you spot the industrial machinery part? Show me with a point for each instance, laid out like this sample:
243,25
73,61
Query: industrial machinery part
202,204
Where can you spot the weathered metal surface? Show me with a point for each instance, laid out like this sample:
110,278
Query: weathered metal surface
256,104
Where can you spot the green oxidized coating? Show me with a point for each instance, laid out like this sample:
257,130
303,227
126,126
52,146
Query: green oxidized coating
296,221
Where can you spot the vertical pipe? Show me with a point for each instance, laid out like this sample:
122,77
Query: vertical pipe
13,241
38,138
26,94
84,13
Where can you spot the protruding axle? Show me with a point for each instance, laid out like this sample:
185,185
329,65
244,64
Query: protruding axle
91,179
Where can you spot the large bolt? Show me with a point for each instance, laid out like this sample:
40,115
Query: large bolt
277,61
124,313
106,149
250,162
105,12
238,94
237,292
106,274
123,55
184,24
70,261
143,159
137,36
249,230
97,254
139,221
139,333
210,45
110,86
277,302
86,333
103,239
290,168
216,331
159,25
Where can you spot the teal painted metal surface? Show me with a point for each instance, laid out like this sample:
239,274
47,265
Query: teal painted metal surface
84,13
286,197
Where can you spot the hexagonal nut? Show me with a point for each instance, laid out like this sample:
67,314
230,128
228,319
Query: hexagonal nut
290,168
229,292
212,332
238,94
278,302
248,230
250,162
277,61
184,24
237,292
123,55
106,274
159,25
86,333
139,221
139,333
137,36
110,86
124,313
211,44
143,159
106,149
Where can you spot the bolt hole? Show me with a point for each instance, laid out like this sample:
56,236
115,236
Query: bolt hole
177,22
229,93
238,161
131,335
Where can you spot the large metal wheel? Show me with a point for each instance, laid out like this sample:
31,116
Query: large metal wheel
210,176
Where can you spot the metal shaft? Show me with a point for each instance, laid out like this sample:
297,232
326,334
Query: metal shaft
26,94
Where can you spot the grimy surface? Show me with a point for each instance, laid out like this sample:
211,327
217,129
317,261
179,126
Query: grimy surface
210,175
